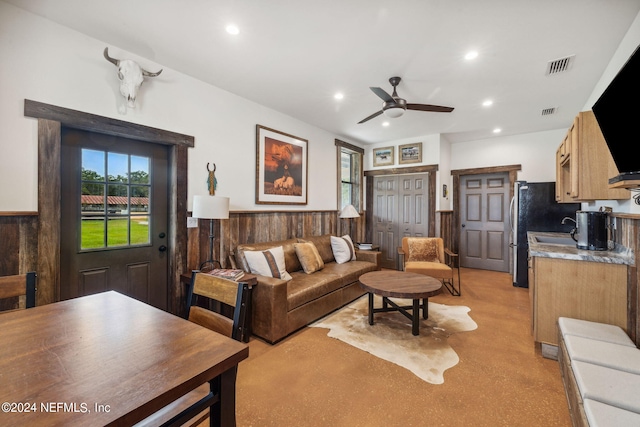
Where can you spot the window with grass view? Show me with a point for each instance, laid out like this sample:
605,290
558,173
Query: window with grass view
115,200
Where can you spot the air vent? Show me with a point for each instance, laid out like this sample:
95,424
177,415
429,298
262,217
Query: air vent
560,65
549,111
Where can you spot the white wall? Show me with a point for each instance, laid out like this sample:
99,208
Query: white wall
627,47
46,62
536,152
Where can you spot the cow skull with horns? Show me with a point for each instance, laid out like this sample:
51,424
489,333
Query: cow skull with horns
131,76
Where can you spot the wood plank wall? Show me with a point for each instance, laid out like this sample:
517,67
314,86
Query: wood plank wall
264,226
627,233
18,248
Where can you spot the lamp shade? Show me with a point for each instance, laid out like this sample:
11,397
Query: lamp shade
210,207
349,212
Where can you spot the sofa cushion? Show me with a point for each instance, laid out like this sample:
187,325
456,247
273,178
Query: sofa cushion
602,415
309,257
290,258
422,250
606,385
616,356
268,263
304,288
343,249
594,330
323,244
350,272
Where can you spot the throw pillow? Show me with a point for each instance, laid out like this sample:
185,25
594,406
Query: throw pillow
343,250
423,250
268,263
309,257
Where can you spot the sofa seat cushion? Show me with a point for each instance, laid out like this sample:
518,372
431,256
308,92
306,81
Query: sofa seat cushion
303,288
594,330
433,269
351,271
602,415
615,356
610,386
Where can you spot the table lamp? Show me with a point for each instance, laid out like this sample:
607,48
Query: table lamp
210,207
349,212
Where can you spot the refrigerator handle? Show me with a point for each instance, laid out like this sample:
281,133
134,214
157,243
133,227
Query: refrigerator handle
511,213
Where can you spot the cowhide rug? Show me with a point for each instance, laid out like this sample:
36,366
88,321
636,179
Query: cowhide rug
427,355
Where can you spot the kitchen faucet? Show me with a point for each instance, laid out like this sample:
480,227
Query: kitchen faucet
564,220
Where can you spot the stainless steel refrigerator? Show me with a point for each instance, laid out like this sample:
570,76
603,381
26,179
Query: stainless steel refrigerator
534,208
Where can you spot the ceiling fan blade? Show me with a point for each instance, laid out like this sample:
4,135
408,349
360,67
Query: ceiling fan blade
370,117
427,107
382,94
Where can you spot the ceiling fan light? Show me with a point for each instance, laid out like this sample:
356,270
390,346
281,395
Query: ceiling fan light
394,113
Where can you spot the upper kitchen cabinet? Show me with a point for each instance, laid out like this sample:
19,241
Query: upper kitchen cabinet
584,164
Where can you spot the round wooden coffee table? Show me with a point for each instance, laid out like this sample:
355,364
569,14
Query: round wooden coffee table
400,284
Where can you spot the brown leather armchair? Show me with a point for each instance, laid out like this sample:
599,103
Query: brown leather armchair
427,255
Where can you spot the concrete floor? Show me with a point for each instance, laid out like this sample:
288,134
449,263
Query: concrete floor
310,379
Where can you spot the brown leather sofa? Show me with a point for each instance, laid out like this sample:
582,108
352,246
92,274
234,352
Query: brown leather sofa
281,307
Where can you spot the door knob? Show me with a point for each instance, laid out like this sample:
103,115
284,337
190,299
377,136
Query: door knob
162,248
462,226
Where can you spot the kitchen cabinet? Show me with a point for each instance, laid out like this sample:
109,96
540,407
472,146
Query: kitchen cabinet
584,164
595,291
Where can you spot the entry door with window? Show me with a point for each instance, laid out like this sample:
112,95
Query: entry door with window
114,217
484,212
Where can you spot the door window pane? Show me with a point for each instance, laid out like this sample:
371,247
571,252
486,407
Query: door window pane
92,232
115,206
118,167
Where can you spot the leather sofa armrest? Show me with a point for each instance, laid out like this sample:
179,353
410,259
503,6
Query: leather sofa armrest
370,256
269,300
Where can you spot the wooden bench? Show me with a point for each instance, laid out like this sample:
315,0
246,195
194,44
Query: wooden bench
600,367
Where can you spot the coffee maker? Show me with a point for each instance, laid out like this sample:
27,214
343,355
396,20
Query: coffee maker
591,230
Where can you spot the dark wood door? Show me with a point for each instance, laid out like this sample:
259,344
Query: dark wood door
114,217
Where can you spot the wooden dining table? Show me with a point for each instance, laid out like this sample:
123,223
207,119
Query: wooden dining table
108,359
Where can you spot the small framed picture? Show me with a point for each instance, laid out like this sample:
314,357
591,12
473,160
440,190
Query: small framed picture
383,156
410,153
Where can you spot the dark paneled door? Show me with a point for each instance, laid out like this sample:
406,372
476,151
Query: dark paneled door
484,213
114,217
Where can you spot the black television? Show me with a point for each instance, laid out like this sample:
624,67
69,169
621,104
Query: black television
617,112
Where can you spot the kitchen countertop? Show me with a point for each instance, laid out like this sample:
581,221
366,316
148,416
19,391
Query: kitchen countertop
619,255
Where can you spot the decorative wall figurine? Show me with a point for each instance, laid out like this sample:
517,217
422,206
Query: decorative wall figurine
131,76
212,182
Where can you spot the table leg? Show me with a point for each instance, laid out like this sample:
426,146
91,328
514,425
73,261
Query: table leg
425,308
415,327
370,308
224,412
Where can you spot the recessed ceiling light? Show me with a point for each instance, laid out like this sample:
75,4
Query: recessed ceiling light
471,55
232,29
338,96
487,103
385,124
497,130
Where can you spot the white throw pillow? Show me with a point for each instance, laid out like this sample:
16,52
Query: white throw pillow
268,263
343,249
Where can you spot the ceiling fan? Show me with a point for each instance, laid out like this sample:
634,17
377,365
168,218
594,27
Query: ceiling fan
394,106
